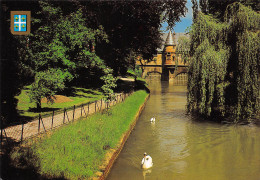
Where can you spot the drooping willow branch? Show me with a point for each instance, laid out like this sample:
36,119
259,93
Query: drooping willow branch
224,64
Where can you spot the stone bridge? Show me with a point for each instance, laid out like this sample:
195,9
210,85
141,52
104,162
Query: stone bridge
167,63
178,74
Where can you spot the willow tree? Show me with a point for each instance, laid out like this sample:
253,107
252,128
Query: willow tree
224,66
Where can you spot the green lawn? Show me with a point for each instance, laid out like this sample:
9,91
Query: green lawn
78,95
77,150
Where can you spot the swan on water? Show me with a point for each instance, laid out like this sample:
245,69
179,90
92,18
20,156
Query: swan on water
152,119
147,161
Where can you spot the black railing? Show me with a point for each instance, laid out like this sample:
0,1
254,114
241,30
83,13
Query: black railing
22,131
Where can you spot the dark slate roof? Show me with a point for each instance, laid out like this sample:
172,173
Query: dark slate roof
175,39
169,40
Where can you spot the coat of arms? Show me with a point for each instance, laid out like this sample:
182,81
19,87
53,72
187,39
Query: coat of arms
20,22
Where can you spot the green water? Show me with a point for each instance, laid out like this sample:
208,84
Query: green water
186,148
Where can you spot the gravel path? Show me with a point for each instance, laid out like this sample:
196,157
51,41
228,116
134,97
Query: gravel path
30,129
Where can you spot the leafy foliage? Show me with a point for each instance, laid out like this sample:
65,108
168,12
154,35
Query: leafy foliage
132,27
223,74
245,24
183,48
207,72
46,84
59,49
109,83
74,39
12,76
218,7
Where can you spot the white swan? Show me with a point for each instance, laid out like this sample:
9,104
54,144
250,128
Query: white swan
147,161
152,119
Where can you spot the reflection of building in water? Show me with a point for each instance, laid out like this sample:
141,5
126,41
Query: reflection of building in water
174,145
163,65
173,129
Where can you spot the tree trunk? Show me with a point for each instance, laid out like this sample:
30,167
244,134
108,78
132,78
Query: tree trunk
39,105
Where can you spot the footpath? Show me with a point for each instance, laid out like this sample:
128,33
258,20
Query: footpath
20,132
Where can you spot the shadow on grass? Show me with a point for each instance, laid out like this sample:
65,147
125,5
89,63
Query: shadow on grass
18,169
73,92
127,86
18,117
46,109
141,84
124,86
9,170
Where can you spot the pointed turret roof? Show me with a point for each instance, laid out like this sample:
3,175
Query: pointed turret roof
169,40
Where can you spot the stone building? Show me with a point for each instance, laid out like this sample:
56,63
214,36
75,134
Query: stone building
164,62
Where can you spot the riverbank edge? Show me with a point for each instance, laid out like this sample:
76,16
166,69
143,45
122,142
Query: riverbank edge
31,172
112,155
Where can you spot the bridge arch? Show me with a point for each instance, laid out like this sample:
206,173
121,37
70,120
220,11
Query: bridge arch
180,70
148,71
181,78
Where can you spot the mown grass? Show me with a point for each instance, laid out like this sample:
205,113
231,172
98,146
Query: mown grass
79,96
76,151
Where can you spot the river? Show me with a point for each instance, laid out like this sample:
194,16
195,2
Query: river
183,147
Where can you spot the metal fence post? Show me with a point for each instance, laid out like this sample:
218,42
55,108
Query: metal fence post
88,108
64,116
52,119
22,132
6,136
81,110
67,115
39,123
114,100
73,113
95,106
43,125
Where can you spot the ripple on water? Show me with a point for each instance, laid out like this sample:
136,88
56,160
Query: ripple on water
186,148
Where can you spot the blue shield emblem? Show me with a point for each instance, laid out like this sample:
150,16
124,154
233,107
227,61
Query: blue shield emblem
20,22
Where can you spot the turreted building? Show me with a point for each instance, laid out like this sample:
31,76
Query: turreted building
164,62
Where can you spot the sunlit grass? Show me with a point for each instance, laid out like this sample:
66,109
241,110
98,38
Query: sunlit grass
79,96
77,150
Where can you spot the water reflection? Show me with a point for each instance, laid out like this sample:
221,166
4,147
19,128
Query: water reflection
182,148
146,172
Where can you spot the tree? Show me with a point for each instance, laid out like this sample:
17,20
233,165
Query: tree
218,7
131,26
72,39
46,84
59,50
13,75
183,48
223,73
195,9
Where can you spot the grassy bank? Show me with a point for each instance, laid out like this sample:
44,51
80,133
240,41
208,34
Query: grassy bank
76,97
77,150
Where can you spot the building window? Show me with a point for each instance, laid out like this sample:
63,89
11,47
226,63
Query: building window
168,56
